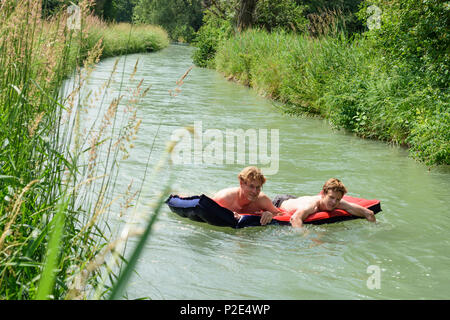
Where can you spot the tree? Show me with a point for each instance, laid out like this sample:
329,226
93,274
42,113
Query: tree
180,18
268,14
50,7
123,10
343,10
280,14
245,14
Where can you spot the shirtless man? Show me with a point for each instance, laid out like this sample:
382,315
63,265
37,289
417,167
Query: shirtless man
248,198
329,199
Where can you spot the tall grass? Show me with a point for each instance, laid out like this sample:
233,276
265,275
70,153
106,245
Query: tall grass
344,80
123,38
57,180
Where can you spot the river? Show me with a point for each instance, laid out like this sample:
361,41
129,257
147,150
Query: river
405,255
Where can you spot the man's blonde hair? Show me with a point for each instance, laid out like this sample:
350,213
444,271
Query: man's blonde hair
335,185
252,174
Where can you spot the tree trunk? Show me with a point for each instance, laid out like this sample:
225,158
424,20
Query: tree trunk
245,14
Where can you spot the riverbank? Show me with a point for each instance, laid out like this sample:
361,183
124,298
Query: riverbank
51,225
125,38
345,81
116,39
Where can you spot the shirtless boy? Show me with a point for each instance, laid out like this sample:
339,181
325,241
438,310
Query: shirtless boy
330,198
248,198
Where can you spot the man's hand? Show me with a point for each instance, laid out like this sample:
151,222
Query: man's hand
370,216
297,218
266,217
357,210
296,222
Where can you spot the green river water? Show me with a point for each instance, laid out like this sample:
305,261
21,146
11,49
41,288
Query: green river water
405,255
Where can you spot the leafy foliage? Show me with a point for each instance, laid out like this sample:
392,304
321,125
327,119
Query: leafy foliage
347,8
208,38
284,14
180,18
414,35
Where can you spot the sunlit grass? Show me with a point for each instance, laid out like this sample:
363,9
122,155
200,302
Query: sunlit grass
124,38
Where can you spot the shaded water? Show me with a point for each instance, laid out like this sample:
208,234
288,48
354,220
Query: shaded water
409,244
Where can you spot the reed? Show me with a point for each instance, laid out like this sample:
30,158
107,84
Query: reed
125,38
57,180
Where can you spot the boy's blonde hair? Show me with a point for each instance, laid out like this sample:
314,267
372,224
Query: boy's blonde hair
335,185
252,174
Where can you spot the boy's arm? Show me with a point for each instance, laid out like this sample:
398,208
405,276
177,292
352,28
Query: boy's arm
270,210
221,202
357,210
222,199
301,214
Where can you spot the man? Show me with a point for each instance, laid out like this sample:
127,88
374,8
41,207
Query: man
248,198
330,198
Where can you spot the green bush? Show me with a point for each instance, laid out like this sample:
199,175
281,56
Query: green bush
208,38
430,134
415,36
280,14
181,19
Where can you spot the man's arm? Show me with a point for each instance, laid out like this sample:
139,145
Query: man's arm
301,214
222,198
270,210
357,210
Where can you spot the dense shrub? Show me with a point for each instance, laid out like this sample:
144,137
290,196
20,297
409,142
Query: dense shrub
414,35
430,134
208,38
280,14
181,19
